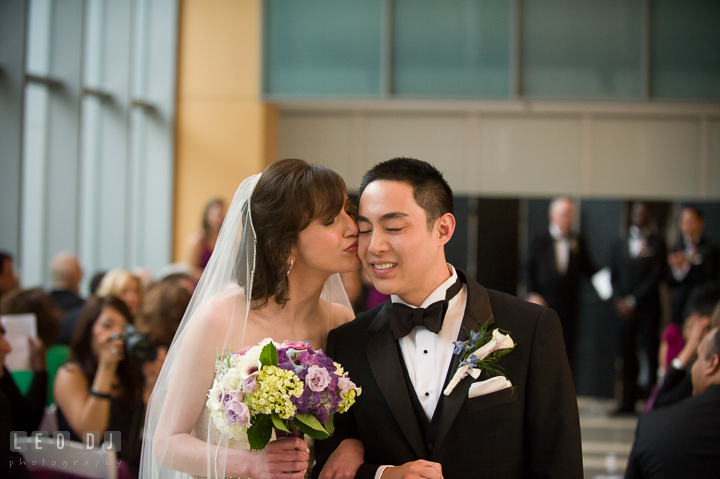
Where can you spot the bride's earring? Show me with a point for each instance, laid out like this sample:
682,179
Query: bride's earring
292,263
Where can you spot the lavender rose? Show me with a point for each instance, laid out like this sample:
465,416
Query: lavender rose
317,378
236,411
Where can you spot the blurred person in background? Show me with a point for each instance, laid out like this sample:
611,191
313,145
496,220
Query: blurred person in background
638,265
94,283
558,259
123,284
8,278
681,441
159,316
66,275
180,273
694,261
18,412
47,315
201,243
100,389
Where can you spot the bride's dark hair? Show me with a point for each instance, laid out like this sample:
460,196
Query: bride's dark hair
289,195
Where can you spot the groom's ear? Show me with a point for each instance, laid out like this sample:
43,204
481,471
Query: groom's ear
445,227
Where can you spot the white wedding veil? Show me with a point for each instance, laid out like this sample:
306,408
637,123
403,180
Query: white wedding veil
179,441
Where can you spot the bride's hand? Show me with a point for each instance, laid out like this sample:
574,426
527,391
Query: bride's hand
285,458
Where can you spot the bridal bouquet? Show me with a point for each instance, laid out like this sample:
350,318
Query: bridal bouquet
288,386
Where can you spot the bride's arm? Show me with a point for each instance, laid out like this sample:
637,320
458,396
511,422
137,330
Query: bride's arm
192,376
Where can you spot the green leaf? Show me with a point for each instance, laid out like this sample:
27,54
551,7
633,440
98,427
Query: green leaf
309,425
329,425
279,423
259,432
268,356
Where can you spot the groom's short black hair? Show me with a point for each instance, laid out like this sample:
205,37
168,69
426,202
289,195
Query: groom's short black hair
430,189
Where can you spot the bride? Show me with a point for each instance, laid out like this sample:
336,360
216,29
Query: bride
272,274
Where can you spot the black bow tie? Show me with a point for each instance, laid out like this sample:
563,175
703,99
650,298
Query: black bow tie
404,319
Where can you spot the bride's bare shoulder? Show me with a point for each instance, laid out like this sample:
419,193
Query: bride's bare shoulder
224,305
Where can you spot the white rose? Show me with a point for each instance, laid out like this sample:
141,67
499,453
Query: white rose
232,379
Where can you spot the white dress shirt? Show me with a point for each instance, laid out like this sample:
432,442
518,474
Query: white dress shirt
428,355
562,249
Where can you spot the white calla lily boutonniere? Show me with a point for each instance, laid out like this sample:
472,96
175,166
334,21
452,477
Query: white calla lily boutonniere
479,353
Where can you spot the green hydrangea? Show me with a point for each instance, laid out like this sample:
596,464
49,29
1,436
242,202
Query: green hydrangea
275,387
348,400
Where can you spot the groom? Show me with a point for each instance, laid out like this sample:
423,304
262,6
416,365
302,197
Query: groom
403,358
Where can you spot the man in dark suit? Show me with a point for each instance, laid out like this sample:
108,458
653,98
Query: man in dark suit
66,275
682,440
558,259
694,261
638,265
407,420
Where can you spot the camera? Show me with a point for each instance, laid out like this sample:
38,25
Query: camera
137,344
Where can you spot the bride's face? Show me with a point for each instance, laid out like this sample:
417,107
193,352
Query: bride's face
329,246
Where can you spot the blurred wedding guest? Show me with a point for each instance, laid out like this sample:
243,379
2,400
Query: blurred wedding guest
147,280
200,244
677,384
18,412
66,275
123,284
681,441
100,389
94,283
557,260
694,260
638,265
47,316
8,278
180,273
158,318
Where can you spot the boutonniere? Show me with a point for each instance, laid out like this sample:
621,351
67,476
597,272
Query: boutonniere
480,352
574,245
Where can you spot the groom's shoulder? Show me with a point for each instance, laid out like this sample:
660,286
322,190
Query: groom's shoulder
507,306
361,322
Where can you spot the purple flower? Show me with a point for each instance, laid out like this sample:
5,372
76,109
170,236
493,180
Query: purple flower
249,384
317,378
236,411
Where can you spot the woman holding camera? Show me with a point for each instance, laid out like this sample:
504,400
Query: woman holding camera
100,389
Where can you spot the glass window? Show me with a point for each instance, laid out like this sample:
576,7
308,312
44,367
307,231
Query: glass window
323,48
446,49
685,50
582,49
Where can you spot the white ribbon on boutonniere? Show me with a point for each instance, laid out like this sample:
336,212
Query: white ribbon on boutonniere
480,352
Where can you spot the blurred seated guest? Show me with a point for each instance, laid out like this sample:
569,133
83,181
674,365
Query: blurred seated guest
200,244
99,389
694,261
47,316
677,385
18,413
638,265
147,280
66,275
8,278
95,282
159,316
123,284
681,441
180,273
557,260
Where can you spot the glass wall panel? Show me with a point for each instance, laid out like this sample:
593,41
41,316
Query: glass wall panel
323,48
582,49
445,49
685,49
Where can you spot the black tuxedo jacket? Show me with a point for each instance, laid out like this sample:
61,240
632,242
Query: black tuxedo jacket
531,430
679,441
561,292
703,271
641,276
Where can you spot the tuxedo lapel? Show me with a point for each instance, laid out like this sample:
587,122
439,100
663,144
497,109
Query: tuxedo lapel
382,354
477,313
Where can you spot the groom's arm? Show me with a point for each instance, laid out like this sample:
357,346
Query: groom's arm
552,421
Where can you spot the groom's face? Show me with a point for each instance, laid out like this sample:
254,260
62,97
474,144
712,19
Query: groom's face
396,248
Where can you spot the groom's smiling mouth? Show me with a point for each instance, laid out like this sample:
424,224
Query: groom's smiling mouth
381,268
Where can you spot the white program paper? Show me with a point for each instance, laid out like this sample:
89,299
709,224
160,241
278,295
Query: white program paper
603,284
17,329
